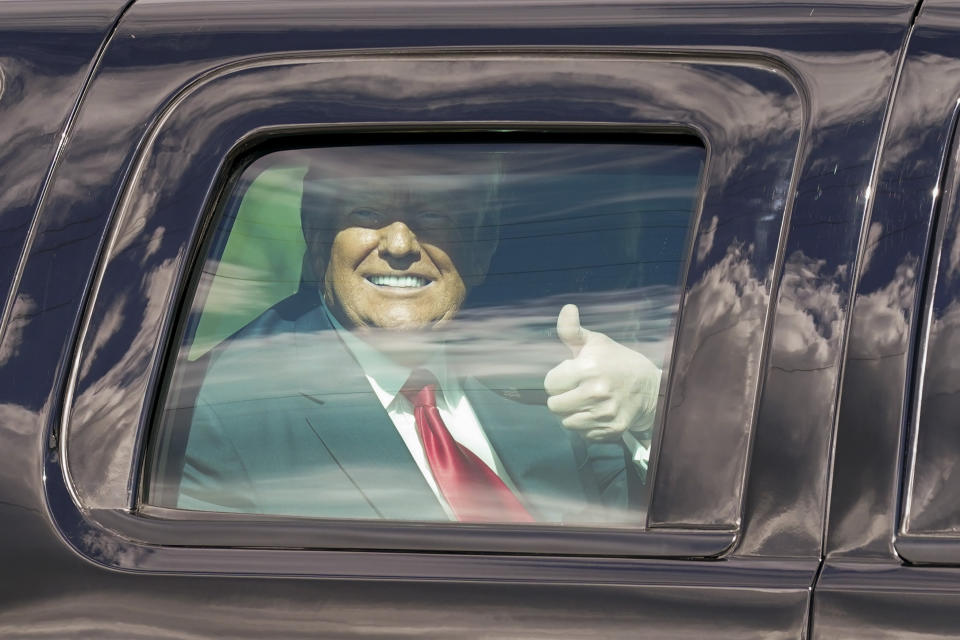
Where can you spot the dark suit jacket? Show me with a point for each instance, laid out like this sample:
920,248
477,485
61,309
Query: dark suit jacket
284,422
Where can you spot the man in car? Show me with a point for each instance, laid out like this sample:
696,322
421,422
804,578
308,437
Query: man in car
363,411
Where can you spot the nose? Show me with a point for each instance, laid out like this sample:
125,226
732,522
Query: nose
397,240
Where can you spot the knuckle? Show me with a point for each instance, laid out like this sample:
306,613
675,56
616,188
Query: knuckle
606,412
618,424
598,388
555,404
588,365
550,383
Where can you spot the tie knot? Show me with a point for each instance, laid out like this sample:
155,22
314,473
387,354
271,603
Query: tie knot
421,388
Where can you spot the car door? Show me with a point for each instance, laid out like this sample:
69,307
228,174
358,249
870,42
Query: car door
781,109
891,542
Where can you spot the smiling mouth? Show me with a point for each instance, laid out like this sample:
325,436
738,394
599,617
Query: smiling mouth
399,282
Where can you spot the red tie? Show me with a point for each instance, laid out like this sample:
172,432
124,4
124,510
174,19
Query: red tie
471,488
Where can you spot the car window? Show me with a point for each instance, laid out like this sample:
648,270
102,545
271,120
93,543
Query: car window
468,332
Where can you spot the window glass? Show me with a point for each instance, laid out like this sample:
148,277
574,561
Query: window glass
447,332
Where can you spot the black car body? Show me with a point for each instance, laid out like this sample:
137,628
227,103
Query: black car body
806,457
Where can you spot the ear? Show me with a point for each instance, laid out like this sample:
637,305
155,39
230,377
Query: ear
480,258
315,257
308,274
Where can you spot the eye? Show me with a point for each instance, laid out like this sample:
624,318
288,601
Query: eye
365,217
434,220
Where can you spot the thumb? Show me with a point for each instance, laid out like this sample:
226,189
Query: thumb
569,330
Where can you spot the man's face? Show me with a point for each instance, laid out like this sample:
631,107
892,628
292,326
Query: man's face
401,256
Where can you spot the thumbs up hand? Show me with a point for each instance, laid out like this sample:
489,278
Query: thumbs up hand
605,388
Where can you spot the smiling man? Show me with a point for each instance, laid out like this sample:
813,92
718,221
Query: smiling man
363,413
400,256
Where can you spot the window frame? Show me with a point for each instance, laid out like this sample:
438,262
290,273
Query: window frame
679,525
918,546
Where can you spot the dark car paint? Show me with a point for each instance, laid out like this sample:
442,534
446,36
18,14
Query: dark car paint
874,583
48,50
842,57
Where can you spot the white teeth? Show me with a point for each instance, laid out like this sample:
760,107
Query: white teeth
405,282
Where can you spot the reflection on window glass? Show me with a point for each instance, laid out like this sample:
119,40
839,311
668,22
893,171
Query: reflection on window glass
464,332
931,507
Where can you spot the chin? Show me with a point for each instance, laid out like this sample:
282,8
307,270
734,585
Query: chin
401,319
407,325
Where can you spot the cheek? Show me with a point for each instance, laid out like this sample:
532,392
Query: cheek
343,254
349,248
449,299
455,294
455,267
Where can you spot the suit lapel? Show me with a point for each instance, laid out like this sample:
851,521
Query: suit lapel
536,451
346,416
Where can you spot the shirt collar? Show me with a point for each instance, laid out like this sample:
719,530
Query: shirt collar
385,375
